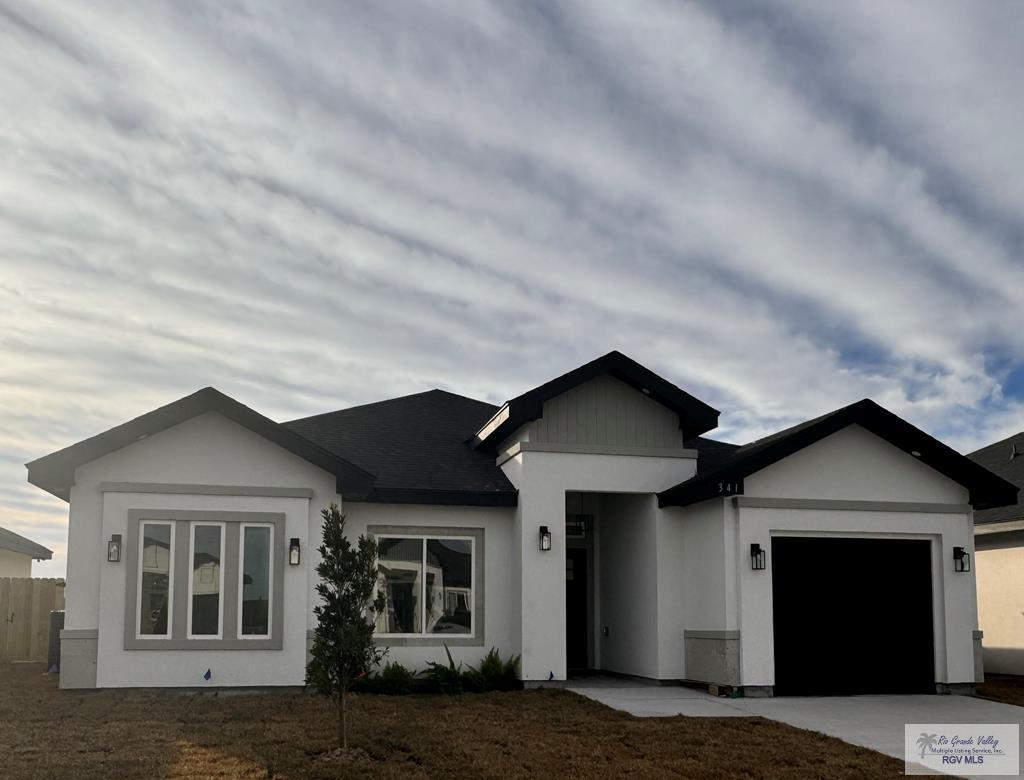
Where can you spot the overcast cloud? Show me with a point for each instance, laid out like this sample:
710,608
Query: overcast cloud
781,207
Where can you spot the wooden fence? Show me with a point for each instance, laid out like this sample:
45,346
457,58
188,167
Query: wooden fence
25,605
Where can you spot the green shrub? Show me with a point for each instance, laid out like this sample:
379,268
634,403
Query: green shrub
395,680
392,680
493,674
446,679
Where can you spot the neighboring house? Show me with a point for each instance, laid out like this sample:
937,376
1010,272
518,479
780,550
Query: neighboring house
586,524
999,541
17,554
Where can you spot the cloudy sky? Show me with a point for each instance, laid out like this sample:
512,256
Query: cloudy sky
783,207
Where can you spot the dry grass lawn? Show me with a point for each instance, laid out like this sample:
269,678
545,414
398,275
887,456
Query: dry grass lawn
48,733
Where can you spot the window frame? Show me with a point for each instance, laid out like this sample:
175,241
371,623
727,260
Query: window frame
473,535
179,621
270,582
140,562
192,526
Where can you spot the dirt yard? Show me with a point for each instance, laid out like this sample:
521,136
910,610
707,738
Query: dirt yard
1007,688
48,733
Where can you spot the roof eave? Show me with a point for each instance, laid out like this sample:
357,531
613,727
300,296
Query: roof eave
55,473
482,498
986,490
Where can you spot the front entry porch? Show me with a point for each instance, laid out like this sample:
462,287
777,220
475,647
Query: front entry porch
611,598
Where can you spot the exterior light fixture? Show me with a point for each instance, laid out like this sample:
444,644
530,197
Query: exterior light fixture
757,557
114,548
961,560
545,538
293,551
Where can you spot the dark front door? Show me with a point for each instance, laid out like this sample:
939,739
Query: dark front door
576,609
852,616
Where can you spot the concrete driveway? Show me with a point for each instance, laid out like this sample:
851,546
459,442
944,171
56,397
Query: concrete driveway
874,722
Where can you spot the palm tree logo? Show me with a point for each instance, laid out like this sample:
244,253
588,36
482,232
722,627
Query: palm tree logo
926,741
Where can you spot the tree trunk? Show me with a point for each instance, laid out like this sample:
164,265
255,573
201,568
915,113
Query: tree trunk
342,726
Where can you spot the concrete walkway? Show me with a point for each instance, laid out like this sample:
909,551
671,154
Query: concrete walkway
874,722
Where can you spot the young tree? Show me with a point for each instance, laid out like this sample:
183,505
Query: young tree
343,646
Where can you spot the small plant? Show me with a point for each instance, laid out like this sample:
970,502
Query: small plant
394,680
447,679
493,674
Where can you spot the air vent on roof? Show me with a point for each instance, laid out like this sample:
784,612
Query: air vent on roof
1013,451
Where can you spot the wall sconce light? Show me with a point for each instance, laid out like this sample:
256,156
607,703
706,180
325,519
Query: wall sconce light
545,538
114,548
757,557
293,551
961,560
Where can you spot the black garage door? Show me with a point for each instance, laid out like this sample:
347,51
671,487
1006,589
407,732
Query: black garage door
852,616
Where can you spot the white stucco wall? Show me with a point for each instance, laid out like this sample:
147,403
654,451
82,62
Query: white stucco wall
854,464
15,564
703,565
673,571
117,667
628,584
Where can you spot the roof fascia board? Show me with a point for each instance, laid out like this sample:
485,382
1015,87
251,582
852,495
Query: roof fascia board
593,449
441,497
19,544
842,505
998,527
489,427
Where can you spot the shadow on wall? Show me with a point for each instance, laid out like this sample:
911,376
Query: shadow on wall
1004,660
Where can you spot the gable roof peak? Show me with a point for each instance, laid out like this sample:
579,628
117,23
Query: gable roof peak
55,473
695,416
986,488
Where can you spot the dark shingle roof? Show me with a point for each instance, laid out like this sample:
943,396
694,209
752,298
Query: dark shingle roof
417,447
996,458
711,454
986,489
19,544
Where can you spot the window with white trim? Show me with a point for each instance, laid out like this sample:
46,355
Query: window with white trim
255,580
156,572
428,584
206,581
